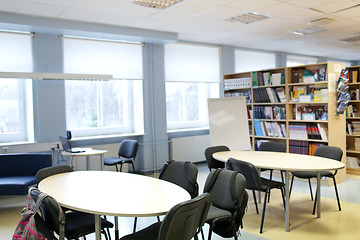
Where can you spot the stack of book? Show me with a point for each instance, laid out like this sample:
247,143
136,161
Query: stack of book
269,129
308,131
352,162
269,95
357,144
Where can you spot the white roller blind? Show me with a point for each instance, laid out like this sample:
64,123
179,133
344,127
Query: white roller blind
191,63
122,60
16,52
246,61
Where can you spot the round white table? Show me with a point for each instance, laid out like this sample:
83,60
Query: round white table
87,153
113,193
287,162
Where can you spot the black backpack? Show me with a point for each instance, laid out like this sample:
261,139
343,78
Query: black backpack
225,228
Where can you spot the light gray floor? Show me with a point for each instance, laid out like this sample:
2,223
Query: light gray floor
348,191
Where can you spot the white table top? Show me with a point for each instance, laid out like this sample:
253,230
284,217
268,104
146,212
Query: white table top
113,193
281,161
88,152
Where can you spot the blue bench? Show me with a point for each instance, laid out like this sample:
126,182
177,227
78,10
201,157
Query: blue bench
18,171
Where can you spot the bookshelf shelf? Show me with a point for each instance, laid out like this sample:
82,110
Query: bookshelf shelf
323,90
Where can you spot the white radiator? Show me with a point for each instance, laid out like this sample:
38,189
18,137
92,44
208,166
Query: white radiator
189,148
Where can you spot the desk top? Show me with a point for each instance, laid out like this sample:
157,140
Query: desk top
281,161
113,193
88,152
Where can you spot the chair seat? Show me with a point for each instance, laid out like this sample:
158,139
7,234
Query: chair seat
148,233
311,174
215,212
116,160
266,184
78,224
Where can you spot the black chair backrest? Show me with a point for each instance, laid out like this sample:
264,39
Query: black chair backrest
50,211
272,147
221,194
211,162
49,171
329,152
185,219
128,148
183,174
250,172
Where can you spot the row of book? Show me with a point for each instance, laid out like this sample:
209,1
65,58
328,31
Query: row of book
308,93
351,111
268,78
269,112
269,129
352,162
245,93
300,75
237,83
353,76
303,147
308,131
310,112
269,95
354,94
353,128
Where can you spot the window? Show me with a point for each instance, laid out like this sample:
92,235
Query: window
192,76
104,107
246,61
347,63
16,113
295,60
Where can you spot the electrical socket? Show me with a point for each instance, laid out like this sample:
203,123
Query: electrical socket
5,150
58,146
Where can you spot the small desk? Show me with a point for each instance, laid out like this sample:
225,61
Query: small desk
288,162
89,152
129,195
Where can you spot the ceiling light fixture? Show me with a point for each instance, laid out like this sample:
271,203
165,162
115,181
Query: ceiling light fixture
350,39
309,30
160,4
247,18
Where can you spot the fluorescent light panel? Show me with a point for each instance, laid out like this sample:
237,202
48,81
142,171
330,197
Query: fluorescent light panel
160,4
309,30
248,18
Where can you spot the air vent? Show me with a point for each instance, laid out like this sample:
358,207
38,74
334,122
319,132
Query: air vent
321,21
248,18
160,4
309,30
351,39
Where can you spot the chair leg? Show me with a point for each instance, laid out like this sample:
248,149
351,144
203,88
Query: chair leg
282,189
337,194
116,167
121,166
210,231
282,177
315,203
158,218
256,206
263,213
291,185
135,222
132,163
202,234
235,230
311,194
271,173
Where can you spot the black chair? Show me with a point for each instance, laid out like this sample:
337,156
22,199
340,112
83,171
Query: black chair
182,222
78,224
255,182
211,162
322,151
272,147
127,153
183,174
228,202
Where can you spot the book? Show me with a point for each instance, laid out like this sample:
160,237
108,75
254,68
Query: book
276,78
281,93
260,79
266,78
254,79
323,131
258,128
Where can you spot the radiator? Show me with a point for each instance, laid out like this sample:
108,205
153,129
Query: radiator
189,148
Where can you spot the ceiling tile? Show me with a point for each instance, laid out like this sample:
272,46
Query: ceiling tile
10,6
62,3
335,6
252,6
191,7
133,10
100,5
38,9
81,15
280,9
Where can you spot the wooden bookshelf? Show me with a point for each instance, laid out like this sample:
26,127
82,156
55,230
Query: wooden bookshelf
352,115
336,134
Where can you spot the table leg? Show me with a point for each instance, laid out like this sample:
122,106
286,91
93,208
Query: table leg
97,227
116,228
87,162
101,162
287,210
318,194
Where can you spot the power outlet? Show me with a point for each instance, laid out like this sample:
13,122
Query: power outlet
5,150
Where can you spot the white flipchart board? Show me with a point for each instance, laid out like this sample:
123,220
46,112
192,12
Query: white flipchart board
229,123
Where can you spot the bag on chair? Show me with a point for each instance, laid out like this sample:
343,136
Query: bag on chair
31,226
